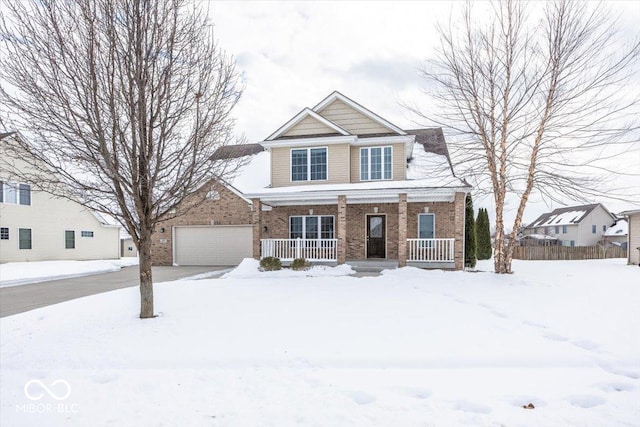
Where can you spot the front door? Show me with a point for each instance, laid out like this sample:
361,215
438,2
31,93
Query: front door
376,239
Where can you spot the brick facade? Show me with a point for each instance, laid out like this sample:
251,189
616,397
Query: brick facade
449,223
227,208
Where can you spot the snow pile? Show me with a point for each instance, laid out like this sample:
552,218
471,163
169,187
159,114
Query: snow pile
408,348
21,273
249,268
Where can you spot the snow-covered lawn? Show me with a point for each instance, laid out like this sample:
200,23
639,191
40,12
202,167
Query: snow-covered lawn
408,348
22,273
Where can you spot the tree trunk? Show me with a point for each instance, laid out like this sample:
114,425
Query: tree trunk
146,280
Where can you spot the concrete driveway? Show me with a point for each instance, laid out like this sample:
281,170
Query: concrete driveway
17,299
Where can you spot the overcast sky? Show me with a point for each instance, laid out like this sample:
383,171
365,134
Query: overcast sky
293,54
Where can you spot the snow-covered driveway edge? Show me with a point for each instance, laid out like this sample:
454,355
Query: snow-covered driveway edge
25,273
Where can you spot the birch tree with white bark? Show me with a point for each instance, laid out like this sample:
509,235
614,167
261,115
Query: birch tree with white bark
124,102
536,104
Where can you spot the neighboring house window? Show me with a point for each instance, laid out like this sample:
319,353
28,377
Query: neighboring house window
557,230
14,193
86,233
69,239
593,229
573,243
604,228
309,164
375,163
311,227
24,237
564,229
426,226
4,233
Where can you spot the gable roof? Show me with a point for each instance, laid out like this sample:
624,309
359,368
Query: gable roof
569,215
307,112
621,228
432,140
350,102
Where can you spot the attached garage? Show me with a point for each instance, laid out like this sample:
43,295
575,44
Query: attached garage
212,245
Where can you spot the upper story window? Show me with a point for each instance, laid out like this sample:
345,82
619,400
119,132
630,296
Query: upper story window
593,229
375,163
15,193
309,164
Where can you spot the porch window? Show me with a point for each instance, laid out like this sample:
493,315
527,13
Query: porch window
309,164
311,227
426,226
376,163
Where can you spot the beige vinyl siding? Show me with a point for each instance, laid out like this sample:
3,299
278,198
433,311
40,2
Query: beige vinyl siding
351,120
399,162
309,126
338,159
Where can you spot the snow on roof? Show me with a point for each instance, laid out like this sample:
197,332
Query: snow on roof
563,216
538,237
432,166
621,228
254,174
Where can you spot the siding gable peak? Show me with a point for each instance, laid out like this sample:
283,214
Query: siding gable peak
307,123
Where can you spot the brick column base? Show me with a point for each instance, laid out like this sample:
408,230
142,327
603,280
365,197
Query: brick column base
257,227
402,230
342,229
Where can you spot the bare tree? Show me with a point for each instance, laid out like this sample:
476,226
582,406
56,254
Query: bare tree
124,102
535,106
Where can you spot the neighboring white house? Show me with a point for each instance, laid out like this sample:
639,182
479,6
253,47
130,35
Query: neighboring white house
633,236
35,226
574,225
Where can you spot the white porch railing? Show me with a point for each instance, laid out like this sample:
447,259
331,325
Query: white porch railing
309,249
431,250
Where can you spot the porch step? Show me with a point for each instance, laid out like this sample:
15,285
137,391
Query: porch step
372,266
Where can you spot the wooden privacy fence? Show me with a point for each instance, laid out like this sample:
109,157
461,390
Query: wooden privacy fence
556,253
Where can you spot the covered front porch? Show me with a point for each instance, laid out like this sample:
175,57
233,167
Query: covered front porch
435,251
406,229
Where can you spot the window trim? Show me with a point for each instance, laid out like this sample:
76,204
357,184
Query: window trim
382,168
434,225
304,226
308,150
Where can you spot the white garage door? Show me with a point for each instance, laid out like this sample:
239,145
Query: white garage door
212,245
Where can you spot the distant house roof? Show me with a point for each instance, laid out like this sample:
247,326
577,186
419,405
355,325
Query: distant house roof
621,228
537,237
569,215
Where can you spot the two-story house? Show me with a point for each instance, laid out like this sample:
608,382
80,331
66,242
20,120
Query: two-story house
36,226
346,184
573,225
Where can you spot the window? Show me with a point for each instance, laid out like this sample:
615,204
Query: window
557,230
86,234
69,239
311,227
375,163
593,229
426,226
564,229
309,164
4,233
213,194
24,237
573,243
14,193
604,228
